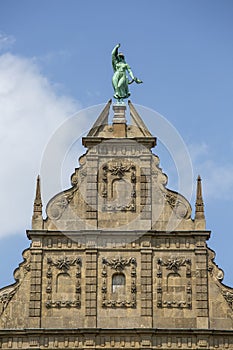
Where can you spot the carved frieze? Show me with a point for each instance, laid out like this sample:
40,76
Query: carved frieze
130,340
123,270
174,287
69,269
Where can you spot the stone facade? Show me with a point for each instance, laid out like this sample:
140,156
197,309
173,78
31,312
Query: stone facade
118,262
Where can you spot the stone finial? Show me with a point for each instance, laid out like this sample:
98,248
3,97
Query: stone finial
37,219
199,212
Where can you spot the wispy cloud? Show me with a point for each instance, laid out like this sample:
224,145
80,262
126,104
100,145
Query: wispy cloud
217,174
30,111
198,152
51,56
6,41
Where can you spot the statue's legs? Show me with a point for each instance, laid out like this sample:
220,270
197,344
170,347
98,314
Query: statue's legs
122,87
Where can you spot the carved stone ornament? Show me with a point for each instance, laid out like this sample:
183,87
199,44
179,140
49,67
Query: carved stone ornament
59,203
172,292
218,275
7,293
6,296
213,268
178,204
174,264
63,265
80,173
111,174
228,295
119,169
117,265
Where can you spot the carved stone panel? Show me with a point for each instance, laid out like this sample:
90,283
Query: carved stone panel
119,282
174,288
63,282
117,186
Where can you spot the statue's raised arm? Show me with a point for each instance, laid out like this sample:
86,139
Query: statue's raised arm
115,56
120,81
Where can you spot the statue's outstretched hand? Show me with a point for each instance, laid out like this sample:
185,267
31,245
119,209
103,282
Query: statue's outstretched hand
138,81
118,45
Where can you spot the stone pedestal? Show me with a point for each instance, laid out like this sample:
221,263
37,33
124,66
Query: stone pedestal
119,120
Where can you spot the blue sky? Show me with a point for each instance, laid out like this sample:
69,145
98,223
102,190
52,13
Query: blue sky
55,58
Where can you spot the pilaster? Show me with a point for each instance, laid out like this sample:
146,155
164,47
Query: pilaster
35,283
146,287
91,288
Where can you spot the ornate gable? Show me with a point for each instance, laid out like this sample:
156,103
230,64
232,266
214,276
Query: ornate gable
119,175
118,262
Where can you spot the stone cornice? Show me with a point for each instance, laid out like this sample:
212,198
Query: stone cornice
136,234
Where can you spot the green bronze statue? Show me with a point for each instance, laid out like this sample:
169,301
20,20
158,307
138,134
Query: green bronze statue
120,80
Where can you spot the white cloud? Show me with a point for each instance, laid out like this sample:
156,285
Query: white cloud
30,111
6,41
218,180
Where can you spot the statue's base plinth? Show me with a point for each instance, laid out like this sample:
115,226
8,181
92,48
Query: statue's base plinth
119,120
